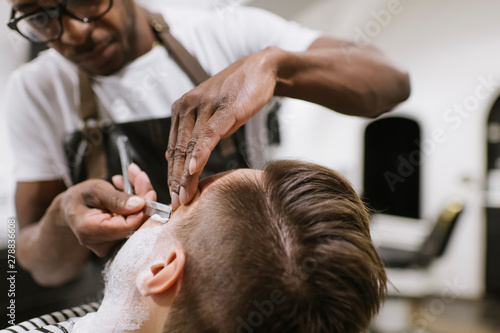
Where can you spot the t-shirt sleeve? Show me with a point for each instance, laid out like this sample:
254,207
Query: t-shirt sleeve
258,29
262,29
30,135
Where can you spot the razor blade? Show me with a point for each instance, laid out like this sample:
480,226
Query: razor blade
124,152
161,211
156,210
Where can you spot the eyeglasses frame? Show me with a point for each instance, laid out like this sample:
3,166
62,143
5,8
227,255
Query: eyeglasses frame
61,8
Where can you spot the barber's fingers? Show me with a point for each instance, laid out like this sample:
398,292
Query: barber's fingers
102,195
189,182
139,180
195,132
99,215
204,140
221,125
143,187
117,180
100,231
184,117
172,141
189,188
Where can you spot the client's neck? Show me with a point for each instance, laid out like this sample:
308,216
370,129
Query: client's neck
118,316
155,322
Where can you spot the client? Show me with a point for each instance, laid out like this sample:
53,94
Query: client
287,249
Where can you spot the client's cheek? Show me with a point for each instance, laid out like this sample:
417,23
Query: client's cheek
150,223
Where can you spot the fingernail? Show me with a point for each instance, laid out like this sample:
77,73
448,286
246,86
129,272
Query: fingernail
192,166
182,195
134,168
175,200
133,202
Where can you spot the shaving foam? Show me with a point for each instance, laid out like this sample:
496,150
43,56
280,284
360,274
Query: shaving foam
123,308
158,218
141,278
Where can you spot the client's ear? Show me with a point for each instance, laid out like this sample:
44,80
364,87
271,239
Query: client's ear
164,275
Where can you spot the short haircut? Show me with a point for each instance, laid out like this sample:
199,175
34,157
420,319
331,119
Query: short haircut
291,253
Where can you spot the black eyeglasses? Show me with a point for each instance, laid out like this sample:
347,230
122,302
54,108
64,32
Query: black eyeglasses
45,25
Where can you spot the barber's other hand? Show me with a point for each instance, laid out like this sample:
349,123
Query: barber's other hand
99,215
211,112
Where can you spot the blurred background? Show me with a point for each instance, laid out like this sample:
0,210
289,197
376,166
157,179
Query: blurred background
430,168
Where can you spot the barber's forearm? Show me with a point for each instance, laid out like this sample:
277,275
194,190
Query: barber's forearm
49,251
342,77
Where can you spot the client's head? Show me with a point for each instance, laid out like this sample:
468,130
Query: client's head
286,249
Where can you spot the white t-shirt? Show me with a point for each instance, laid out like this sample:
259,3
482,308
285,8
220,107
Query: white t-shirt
43,95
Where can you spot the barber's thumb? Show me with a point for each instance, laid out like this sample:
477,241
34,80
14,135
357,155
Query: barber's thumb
125,204
134,203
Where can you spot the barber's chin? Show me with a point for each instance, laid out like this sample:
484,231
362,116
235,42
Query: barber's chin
105,61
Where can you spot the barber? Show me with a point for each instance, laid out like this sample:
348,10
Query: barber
251,56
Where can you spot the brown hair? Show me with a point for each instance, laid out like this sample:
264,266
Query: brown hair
289,253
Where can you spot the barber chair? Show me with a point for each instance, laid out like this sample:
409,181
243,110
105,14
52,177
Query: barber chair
434,245
396,312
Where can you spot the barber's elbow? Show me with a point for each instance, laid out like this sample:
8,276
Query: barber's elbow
403,89
380,100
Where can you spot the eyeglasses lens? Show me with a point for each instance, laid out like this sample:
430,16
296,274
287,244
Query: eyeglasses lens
44,25
41,26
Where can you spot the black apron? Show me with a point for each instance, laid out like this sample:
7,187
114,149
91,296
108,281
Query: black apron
148,142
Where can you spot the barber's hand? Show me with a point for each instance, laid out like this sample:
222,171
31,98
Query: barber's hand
139,180
100,216
211,112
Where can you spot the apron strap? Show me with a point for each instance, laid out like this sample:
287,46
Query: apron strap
184,59
95,156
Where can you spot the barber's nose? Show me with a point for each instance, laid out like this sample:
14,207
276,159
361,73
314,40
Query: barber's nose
74,32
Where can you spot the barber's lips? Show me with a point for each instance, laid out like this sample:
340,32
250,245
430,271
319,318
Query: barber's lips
98,57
